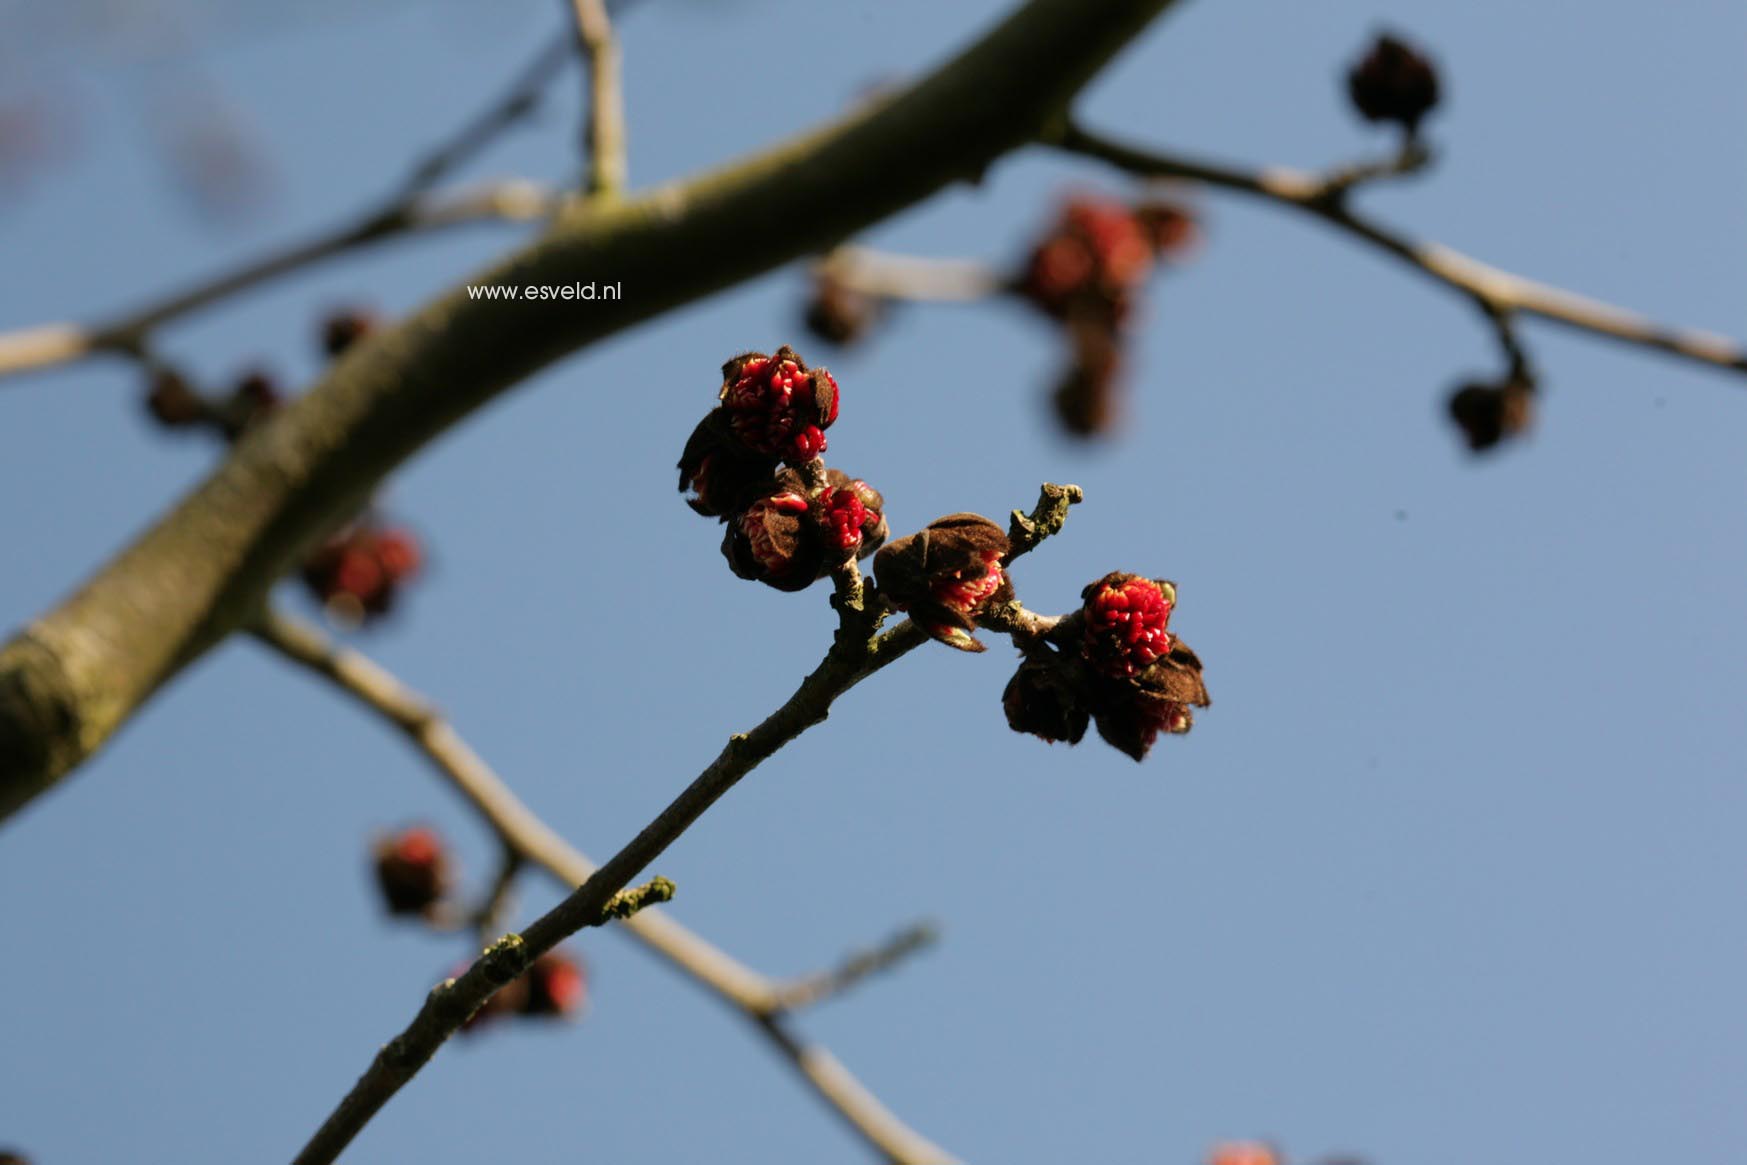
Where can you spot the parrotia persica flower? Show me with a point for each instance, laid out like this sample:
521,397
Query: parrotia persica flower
838,313
1393,82
1091,262
1114,662
412,870
255,395
1488,414
777,406
555,986
1047,700
172,401
722,474
1144,679
1126,621
946,574
359,572
345,327
788,539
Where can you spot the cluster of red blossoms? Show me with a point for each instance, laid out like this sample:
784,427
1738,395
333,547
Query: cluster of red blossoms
754,463
1086,274
173,403
1114,663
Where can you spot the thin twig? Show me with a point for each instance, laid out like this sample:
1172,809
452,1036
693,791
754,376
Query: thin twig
909,277
604,136
809,990
517,103
753,995
1499,294
50,344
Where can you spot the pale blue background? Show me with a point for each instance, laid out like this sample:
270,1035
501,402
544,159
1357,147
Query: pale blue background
1452,872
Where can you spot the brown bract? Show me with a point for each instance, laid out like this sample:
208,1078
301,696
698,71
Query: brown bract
945,574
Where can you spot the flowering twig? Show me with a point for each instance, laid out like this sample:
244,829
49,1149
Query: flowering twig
605,132
1500,295
753,995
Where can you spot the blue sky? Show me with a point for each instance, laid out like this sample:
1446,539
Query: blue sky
1450,872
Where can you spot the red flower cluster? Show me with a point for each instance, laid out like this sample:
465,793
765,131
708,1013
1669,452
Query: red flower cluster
777,406
412,870
786,528
555,986
358,573
1086,274
1114,663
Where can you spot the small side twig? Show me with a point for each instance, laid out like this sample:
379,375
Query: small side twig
809,990
46,345
604,137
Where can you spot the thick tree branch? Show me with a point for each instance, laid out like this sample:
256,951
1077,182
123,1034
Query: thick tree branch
75,675
1499,294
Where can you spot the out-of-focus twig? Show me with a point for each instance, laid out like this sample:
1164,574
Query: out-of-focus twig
49,344
1500,295
909,277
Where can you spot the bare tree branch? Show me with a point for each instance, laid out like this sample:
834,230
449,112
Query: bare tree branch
1499,294
605,133
74,675
48,344
523,834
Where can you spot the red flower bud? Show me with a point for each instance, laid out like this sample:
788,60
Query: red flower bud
412,869
172,401
1393,82
1126,617
946,574
346,327
1131,711
1085,396
1488,414
838,313
777,406
557,986
359,572
721,472
1091,263
1047,698
789,538
254,396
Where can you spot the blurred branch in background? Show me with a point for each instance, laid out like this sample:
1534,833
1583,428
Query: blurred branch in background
769,1005
1499,294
